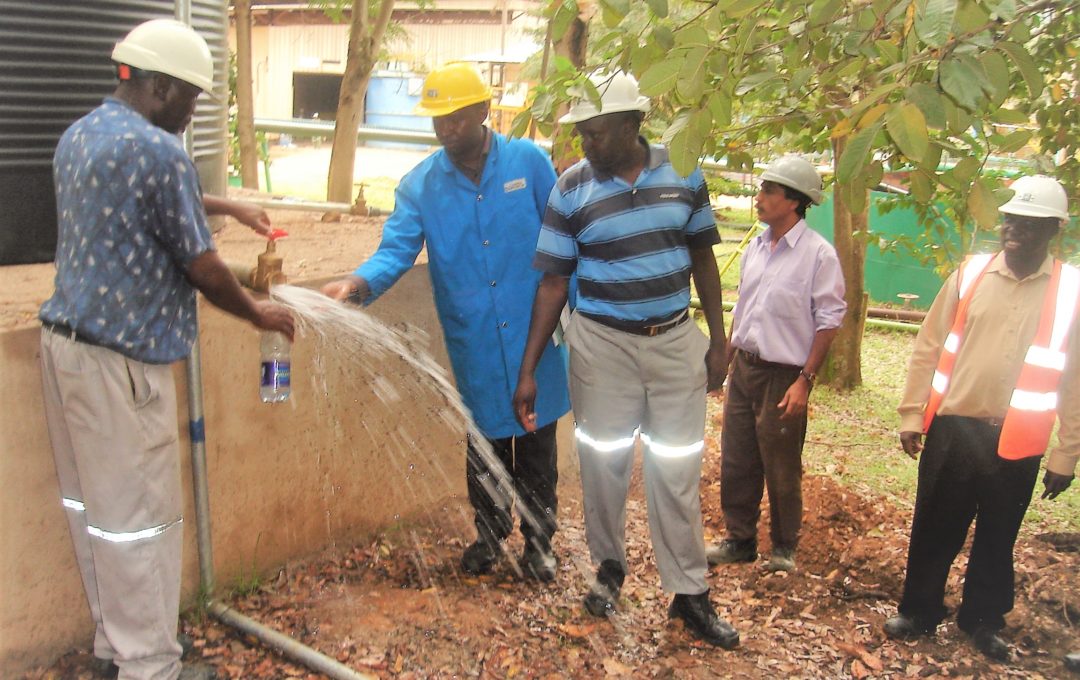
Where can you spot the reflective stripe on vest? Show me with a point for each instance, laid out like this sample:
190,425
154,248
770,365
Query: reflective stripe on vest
971,272
1033,405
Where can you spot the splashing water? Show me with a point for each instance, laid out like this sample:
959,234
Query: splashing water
357,338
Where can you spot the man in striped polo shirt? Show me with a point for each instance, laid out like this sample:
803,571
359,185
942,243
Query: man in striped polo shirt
633,231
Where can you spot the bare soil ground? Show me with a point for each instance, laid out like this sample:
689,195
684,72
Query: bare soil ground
397,606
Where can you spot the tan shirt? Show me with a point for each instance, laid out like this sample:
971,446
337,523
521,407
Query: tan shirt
1001,323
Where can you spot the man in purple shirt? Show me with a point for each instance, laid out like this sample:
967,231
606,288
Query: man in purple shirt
791,302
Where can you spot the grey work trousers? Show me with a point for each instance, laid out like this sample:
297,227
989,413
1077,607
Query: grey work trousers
113,428
622,384
759,449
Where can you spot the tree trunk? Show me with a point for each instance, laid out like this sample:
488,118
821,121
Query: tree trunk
245,101
572,45
365,39
844,367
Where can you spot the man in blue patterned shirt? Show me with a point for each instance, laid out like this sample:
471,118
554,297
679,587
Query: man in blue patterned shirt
133,247
634,232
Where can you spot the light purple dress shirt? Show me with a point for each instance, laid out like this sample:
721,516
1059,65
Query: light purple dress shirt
787,295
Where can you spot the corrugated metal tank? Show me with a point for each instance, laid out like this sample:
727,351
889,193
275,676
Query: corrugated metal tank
54,68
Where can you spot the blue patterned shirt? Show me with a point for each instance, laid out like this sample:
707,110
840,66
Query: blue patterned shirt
130,221
628,244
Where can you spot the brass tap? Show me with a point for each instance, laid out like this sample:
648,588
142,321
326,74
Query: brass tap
268,271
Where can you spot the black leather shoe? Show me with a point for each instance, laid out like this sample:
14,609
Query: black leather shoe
538,562
729,551
700,618
480,557
902,627
1072,662
104,668
604,592
987,641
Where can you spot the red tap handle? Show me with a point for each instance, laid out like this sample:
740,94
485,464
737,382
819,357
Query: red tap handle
277,233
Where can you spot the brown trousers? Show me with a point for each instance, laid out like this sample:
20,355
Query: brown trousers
761,450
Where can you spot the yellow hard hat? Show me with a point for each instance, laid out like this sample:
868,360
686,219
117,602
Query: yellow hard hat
450,88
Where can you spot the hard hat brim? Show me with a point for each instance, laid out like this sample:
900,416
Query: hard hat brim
447,109
1028,210
642,104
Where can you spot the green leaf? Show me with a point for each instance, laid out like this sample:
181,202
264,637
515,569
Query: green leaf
738,8
720,106
907,127
685,149
982,204
1014,141
678,124
753,81
661,77
1026,65
960,76
663,36
1005,10
798,80
561,20
856,154
691,79
1009,117
658,7
927,98
934,20
618,7
694,35
822,11
888,51
922,189
996,86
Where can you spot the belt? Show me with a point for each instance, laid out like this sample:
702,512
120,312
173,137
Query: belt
756,360
64,330
637,329
992,422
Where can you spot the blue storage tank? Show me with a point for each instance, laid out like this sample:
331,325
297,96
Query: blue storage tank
391,98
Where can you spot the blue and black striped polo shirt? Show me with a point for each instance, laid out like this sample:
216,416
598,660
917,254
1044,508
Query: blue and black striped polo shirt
628,244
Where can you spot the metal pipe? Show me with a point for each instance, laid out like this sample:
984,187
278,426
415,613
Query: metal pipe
309,206
695,303
911,315
314,660
197,434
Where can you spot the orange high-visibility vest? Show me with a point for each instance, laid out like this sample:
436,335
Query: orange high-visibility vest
1033,406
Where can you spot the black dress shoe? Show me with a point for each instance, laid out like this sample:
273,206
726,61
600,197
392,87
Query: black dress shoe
480,557
701,620
538,562
986,640
104,668
1072,662
604,592
902,627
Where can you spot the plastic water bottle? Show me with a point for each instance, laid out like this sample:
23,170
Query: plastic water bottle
276,367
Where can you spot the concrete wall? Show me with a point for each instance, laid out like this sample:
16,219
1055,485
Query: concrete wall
286,480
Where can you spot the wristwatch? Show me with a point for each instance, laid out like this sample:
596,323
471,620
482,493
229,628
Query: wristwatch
810,377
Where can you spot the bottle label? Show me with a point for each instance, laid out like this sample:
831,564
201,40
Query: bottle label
275,374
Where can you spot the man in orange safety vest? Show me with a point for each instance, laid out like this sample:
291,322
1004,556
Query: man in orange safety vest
996,361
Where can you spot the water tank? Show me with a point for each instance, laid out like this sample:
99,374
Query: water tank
55,68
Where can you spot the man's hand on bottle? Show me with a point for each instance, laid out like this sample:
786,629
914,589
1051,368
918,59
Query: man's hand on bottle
270,316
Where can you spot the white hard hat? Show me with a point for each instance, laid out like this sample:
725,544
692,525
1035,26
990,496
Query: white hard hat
796,173
1037,196
170,47
618,92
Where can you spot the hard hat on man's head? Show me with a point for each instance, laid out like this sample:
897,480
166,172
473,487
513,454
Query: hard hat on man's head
795,172
451,88
618,92
170,47
1037,196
